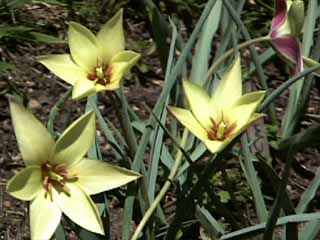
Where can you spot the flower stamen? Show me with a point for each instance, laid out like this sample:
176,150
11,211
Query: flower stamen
101,75
56,176
221,130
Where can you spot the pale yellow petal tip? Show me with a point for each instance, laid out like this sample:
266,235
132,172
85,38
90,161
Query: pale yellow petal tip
173,110
238,61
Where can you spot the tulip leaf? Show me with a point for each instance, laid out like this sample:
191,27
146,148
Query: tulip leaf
252,231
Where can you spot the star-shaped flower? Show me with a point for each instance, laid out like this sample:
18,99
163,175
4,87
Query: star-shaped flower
57,178
95,63
217,120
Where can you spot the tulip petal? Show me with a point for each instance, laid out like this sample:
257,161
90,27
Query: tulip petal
63,66
252,97
76,140
26,184
289,48
35,142
280,14
128,56
45,216
83,47
242,111
187,119
83,88
111,37
241,128
199,102
79,207
117,72
229,89
97,176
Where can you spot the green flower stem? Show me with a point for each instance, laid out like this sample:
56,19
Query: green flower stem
164,189
231,51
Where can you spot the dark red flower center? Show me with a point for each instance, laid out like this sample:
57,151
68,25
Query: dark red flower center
56,175
101,75
221,130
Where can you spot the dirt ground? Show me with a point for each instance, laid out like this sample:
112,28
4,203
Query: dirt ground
43,90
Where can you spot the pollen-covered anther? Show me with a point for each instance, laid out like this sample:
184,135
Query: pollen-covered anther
101,75
56,176
221,130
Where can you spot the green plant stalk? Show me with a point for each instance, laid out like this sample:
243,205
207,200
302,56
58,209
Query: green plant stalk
213,68
164,189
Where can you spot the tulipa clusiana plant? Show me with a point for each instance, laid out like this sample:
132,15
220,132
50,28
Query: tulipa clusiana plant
202,134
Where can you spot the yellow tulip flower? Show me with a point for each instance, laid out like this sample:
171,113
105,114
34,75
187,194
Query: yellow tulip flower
95,63
217,120
57,178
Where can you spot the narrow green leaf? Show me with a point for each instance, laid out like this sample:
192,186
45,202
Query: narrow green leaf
253,180
45,38
252,231
203,46
107,132
310,231
309,194
212,227
54,111
168,84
